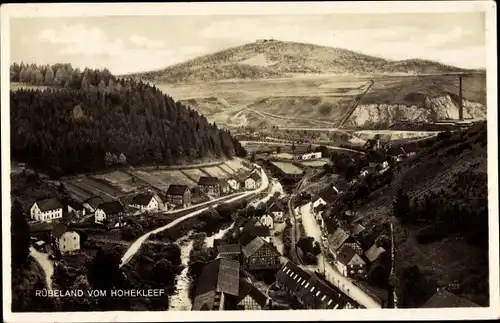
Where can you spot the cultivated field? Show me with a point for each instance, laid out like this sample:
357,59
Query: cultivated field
228,169
216,172
122,184
288,168
174,176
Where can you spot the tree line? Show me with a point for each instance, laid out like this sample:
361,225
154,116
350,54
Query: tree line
98,121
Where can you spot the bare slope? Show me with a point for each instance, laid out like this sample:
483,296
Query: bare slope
280,58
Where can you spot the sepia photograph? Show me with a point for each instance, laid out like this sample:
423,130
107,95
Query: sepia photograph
310,160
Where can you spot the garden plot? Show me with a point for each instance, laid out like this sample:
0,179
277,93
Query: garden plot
227,169
236,164
151,180
115,177
121,180
102,187
173,177
80,194
194,173
216,172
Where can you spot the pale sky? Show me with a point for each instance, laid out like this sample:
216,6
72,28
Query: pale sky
138,43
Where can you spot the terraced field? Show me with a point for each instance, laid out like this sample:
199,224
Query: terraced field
236,164
194,174
227,169
121,184
76,192
173,177
216,172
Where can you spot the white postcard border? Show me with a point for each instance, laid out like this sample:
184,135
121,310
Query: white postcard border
267,8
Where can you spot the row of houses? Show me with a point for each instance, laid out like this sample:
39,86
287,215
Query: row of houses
310,290
351,258
50,209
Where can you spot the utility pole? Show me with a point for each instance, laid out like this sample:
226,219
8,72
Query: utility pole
460,102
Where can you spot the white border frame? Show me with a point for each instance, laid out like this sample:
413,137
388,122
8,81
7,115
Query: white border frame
267,8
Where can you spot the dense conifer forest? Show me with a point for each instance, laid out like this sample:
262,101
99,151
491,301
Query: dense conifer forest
84,121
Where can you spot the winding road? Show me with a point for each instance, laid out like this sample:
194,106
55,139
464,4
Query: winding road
134,248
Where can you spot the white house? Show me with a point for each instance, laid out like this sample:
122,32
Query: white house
277,211
252,181
349,263
146,202
267,220
65,240
46,210
315,155
234,183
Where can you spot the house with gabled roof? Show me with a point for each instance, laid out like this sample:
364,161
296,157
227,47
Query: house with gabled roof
374,252
146,202
179,195
210,185
349,263
64,239
267,220
46,210
92,203
277,211
253,181
250,297
340,238
109,211
236,182
258,254
309,290
218,282
76,208
254,228
325,196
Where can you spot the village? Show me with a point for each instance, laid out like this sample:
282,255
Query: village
284,253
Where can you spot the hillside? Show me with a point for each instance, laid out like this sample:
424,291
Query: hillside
90,120
279,59
438,203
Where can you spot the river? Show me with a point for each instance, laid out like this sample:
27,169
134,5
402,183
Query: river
180,300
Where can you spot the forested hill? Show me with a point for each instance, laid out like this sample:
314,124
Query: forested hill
86,121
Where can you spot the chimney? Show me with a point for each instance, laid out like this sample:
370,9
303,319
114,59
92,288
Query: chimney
460,102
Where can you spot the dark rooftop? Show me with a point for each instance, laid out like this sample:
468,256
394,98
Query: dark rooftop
142,199
174,189
208,180
309,288
58,230
111,207
219,275
94,201
49,204
248,289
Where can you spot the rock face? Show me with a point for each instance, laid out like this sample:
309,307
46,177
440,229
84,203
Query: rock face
430,110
